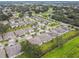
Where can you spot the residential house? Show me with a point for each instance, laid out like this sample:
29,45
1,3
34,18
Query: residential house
2,52
20,32
45,37
1,37
36,40
9,35
13,50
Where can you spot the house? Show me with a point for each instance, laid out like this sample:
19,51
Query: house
16,22
27,37
44,37
40,39
26,30
11,42
12,21
31,30
8,35
54,31
19,32
4,22
1,37
13,50
33,33
36,40
2,52
52,34
21,23
60,30
14,25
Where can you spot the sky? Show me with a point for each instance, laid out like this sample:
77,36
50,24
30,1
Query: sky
39,0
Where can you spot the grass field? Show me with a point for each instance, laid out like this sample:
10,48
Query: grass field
45,15
70,49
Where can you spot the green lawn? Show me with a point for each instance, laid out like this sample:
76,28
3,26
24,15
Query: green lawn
69,35
4,42
47,13
44,14
44,47
69,49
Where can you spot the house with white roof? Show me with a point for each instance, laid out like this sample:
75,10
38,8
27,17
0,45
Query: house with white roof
11,42
27,37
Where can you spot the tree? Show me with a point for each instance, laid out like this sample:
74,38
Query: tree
31,50
66,14
40,8
30,13
21,15
3,17
59,41
4,28
22,9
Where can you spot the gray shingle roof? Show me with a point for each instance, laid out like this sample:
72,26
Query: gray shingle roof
1,37
19,32
45,37
13,50
42,38
2,52
8,35
35,40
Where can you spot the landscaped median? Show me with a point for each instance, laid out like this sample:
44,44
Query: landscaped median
69,49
